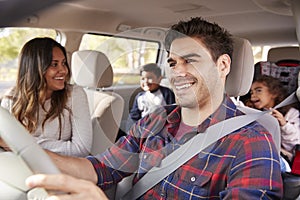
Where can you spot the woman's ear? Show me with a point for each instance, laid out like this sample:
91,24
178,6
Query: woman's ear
223,64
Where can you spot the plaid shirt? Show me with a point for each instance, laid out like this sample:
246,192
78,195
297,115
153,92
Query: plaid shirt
243,165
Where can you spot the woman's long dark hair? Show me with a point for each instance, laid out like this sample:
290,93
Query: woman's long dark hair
31,85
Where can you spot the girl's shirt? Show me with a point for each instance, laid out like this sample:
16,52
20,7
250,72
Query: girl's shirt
290,132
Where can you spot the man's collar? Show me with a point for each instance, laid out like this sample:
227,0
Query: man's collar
226,110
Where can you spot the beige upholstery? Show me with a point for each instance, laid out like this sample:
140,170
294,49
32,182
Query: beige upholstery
93,71
283,53
239,79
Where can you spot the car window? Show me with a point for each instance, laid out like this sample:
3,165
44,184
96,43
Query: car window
125,54
260,53
11,42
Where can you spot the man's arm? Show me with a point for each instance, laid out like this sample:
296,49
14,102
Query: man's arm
78,167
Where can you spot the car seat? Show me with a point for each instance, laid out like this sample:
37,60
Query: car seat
93,71
282,63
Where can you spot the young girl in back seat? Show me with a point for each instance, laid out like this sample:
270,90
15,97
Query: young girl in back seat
266,92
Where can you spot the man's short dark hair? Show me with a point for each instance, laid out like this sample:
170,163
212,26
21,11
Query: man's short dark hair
151,67
216,39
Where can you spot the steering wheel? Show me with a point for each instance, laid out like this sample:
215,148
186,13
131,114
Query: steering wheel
26,158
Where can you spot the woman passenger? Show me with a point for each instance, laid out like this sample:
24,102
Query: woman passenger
53,111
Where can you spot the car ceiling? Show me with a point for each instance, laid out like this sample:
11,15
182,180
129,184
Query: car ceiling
260,21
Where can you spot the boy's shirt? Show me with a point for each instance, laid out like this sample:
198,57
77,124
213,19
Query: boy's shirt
148,101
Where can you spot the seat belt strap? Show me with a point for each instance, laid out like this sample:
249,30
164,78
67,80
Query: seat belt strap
192,147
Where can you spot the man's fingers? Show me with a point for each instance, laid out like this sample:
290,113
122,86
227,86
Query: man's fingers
51,182
73,188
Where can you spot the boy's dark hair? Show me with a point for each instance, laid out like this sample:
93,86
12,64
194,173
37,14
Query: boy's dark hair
151,67
216,39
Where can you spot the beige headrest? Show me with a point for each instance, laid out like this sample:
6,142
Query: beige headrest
283,53
240,78
91,69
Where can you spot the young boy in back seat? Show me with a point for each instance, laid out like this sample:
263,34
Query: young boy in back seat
153,94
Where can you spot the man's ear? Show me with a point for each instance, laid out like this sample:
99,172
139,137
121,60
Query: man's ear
223,64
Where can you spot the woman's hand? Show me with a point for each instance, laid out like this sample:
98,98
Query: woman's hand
73,188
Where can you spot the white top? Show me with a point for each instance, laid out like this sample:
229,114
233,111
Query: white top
76,134
290,132
149,101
